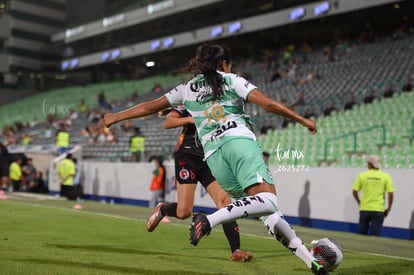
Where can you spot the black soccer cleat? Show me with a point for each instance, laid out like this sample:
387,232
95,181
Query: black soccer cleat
199,227
318,269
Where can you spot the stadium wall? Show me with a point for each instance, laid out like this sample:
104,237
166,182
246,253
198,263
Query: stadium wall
317,197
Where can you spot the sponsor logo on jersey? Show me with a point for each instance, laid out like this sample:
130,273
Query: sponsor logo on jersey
204,96
223,128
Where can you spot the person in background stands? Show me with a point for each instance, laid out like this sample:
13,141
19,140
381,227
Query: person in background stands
26,139
62,139
82,106
137,145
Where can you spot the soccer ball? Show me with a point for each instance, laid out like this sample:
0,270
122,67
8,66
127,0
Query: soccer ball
328,252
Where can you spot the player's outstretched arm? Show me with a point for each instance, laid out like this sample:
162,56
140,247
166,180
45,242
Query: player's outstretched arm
174,120
140,110
273,106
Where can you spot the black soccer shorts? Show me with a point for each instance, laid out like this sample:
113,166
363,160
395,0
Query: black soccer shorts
189,169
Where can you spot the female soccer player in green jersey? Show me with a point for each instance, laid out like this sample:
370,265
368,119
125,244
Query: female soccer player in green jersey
215,99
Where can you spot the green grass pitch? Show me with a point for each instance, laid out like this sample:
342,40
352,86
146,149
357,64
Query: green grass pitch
46,236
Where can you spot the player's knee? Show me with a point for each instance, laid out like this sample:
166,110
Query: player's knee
183,213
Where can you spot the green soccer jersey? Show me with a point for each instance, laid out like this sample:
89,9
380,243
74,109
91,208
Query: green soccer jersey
216,121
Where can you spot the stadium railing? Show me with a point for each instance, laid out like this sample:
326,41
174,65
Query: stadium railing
354,134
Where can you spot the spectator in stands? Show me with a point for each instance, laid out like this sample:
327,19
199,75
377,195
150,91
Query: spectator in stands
48,132
30,172
128,128
312,75
329,108
328,54
400,32
101,136
115,105
82,106
342,48
62,139
112,136
68,123
53,120
10,136
26,139
15,172
157,88
287,71
137,145
102,101
350,101
363,37
157,183
73,115
4,167
87,133
92,131
67,171
373,184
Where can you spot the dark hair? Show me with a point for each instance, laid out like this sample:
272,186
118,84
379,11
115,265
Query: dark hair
207,60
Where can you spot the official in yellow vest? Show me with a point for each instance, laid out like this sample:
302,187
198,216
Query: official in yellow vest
62,139
373,184
15,173
137,145
66,171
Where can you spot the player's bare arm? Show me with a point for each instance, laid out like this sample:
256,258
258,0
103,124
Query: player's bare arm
140,110
174,120
273,106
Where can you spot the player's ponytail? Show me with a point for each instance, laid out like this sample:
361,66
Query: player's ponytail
208,59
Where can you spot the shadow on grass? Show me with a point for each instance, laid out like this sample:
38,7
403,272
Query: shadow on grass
106,267
111,249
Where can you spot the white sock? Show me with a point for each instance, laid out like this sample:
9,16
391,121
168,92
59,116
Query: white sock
261,204
284,233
